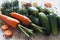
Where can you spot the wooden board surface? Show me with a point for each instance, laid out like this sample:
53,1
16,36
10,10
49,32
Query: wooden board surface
18,35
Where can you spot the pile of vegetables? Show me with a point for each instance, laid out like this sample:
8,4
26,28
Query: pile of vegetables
29,20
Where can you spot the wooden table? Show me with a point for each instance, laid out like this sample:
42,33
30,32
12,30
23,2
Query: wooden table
18,35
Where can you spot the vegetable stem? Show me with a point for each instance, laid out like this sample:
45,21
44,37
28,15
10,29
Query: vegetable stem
25,30
38,28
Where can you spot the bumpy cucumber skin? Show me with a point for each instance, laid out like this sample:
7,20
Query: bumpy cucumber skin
44,21
41,9
34,19
49,11
32,11
53,23
58,22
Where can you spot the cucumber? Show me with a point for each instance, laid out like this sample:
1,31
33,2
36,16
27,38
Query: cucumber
49,11
32,10
58,22
53,23
44,21
41,9
34,19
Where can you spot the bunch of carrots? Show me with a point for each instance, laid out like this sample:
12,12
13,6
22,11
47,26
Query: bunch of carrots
11,22
14,23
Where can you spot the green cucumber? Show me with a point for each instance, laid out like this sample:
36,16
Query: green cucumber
41,9
49,11
32,10
44,21
58,21
34,19
53,23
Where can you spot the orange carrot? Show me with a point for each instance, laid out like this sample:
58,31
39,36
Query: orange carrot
47,4
5,27
10,21
26,21
8,33
14,24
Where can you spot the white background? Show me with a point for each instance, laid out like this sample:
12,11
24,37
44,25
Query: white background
55,3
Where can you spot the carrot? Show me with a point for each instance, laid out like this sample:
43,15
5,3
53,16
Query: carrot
5,27
8,33
47,4
10,21
26,21
14,24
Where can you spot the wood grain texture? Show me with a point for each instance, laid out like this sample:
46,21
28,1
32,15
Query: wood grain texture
18,35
